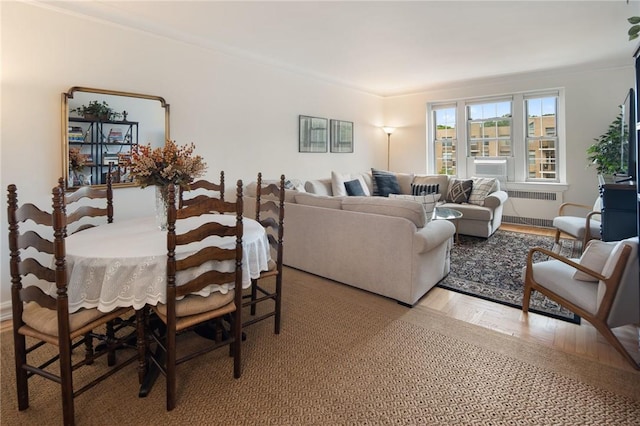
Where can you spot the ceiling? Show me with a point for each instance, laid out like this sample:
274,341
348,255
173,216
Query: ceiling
391,48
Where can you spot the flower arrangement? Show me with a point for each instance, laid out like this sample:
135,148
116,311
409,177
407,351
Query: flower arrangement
77,160
169,164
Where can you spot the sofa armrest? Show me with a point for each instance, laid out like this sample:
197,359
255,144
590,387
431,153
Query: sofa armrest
433,234
494,199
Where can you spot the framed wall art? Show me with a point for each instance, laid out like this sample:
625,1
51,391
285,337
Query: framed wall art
341,136
313,133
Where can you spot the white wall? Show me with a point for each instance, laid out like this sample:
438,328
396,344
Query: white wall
242,116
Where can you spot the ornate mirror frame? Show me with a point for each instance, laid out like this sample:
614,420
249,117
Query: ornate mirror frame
103,141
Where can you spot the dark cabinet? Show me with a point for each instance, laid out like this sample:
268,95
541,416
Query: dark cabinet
619,209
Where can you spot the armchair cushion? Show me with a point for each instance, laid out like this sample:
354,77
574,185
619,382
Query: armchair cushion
575,225
594,258
557,276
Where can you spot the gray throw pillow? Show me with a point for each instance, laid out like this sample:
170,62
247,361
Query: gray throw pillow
459,190
354,188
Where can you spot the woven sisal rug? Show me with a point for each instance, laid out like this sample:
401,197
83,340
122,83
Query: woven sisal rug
491,269
348,357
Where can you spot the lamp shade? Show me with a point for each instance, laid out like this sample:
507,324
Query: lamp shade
388,130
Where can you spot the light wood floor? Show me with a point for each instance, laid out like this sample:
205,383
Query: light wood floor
583,339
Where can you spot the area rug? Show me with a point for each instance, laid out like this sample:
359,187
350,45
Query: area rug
348,357
491,269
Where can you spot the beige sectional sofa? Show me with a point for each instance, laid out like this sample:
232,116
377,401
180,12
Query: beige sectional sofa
377,244
477,220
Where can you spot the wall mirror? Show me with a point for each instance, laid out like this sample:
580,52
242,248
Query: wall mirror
101,127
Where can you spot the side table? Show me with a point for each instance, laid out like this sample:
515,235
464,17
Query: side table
446,213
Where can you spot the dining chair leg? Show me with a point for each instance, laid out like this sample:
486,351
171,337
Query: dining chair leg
278,301
20,348
88,348
254,295
111,335
142,343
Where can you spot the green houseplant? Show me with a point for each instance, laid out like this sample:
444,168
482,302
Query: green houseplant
97,111
605,154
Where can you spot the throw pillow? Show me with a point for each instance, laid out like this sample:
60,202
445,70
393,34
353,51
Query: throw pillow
354,188
480,189
428,202
385,183
338,188
594,257
459,190
424,188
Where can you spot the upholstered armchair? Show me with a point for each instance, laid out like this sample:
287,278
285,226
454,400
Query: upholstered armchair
602,287
584,227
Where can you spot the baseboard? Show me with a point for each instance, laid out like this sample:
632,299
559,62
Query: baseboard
5,311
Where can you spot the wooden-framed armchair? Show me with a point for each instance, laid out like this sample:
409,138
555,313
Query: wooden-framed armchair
602,287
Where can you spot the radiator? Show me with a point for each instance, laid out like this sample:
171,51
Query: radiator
532,208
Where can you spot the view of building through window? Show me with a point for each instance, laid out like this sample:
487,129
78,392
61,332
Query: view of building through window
490,133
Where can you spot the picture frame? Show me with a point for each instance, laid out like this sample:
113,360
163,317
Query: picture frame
341,136
313,132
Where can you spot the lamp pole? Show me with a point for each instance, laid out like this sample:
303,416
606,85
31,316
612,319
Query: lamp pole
388,131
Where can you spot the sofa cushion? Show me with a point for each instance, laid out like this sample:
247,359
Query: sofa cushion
459,190
425,188
338,179
480,189
409,210
472,211
428,202
385,183
354,188
325,201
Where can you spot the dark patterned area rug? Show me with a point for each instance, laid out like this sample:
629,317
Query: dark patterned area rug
491,269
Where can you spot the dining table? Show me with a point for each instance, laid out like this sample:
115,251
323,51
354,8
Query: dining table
124,263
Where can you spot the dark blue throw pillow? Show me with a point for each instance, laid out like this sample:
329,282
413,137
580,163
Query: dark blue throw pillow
387,184
354,187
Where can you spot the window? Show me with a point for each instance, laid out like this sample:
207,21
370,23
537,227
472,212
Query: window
445,140
489,129
541,138
524,127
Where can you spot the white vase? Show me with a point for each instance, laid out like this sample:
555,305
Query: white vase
162,205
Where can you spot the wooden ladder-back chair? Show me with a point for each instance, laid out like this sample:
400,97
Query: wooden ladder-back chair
46,319
270,214
88,202
198,185
602,287
183,309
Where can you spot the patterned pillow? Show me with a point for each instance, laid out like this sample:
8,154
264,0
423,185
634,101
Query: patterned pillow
481,188
459,190
424,188
384,183
354,187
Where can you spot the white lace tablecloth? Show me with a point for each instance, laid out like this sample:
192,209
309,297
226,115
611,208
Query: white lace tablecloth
124,264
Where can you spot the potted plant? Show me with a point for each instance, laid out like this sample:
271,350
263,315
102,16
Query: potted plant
605,154
97,111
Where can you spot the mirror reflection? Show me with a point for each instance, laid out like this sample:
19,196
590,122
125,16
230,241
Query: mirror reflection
100,129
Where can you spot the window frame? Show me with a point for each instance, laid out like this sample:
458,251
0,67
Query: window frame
519,159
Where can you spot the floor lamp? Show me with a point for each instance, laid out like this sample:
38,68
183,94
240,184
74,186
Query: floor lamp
388,131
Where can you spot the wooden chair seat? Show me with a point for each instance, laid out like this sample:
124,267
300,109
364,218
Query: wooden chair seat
42,323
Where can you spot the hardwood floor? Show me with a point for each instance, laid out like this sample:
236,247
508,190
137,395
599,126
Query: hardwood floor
583,339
